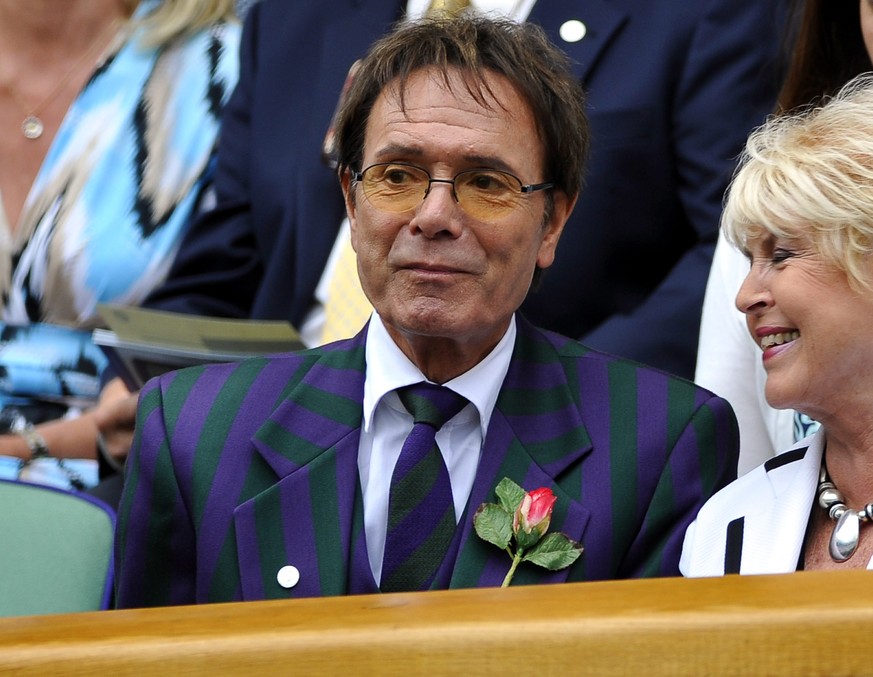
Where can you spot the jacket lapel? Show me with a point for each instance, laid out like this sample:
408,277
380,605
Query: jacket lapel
305,519
535,435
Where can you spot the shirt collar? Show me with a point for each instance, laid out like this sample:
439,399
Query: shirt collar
392,369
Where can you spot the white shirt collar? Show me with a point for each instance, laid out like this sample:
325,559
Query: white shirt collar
392,370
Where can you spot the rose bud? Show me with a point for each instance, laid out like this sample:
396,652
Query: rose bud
531,519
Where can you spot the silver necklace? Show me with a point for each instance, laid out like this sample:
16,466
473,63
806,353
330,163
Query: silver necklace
847,531
32,126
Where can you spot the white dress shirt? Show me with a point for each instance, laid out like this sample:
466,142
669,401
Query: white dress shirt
387,423
513,9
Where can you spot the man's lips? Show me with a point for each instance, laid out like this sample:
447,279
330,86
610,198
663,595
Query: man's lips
431,268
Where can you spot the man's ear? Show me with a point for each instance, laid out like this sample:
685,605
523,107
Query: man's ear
562,207
348,187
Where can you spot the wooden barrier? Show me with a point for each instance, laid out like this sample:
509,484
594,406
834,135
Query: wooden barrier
809,623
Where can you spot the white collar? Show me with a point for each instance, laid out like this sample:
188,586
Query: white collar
392,370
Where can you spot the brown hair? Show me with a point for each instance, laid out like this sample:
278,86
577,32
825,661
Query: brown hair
828,51
478,46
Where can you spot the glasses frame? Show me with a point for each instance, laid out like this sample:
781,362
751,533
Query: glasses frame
524,188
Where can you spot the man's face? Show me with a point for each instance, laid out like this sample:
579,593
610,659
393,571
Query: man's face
435,270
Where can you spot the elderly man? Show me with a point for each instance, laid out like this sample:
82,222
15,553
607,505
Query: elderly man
460,152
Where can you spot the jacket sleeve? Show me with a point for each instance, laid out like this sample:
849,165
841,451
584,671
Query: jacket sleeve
701,462
154,558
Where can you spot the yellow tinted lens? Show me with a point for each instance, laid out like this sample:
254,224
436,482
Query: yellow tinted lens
395,187
487,194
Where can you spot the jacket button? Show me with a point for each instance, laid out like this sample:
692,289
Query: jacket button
572,31
288,576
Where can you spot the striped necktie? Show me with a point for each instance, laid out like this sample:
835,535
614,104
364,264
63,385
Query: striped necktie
421,512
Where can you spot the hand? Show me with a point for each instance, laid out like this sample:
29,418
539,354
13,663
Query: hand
115,416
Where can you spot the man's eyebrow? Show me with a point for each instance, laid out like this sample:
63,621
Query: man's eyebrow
414,152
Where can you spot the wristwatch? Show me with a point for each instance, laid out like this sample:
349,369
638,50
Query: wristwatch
35,442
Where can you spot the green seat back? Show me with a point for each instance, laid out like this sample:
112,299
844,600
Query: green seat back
55,550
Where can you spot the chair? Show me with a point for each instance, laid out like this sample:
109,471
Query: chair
56,550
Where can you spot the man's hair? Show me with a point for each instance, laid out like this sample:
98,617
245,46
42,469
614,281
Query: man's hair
478,47
810,174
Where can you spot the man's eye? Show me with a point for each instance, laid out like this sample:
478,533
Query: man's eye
398,177
488,182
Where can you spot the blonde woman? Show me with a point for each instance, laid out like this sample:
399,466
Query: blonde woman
801,210
108,122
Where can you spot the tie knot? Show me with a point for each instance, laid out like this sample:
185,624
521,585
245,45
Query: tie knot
447,7
430,403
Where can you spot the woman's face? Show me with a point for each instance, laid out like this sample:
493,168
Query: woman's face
867,25
811,326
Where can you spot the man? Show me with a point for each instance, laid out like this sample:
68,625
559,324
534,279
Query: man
460,152
673,90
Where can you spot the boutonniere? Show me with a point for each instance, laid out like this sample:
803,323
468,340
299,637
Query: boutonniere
518,523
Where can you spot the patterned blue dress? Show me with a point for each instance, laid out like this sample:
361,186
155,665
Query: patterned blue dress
130,164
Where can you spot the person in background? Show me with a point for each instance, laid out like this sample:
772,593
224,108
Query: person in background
834,42
109,117
460,151
800,210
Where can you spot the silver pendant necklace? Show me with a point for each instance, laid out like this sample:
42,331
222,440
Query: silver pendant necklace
32,126
847,531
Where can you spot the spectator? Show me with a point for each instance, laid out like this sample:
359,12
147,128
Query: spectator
800,210
111,115
830,49
460,150
657,75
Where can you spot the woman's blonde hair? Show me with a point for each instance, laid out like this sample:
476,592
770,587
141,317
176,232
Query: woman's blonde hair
172,19
810,174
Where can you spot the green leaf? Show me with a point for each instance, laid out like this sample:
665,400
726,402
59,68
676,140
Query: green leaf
493,524
554,552
509,494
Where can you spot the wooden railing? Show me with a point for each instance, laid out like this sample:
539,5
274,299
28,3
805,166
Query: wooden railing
811,623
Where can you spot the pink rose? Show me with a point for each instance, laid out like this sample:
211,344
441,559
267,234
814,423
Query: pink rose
534,514
523,517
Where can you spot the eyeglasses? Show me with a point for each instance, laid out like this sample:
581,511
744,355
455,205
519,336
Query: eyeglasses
484,194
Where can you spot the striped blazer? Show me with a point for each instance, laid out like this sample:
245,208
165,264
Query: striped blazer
240,470
758,523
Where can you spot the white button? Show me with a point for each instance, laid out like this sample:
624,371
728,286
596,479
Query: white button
288,576
573,30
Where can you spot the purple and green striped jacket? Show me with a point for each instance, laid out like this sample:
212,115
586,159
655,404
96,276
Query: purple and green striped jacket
238,470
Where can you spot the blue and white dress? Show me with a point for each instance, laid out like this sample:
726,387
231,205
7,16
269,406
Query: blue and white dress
130,164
